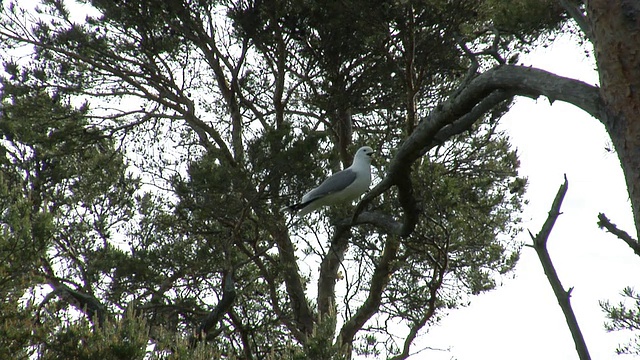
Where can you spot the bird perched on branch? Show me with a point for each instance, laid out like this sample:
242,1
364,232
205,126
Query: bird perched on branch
343,186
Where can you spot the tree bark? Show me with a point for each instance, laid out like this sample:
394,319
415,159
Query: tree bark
329,270
615,26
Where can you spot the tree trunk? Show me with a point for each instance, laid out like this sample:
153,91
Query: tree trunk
615,26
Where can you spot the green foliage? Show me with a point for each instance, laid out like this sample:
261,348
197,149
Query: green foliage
270,157
625,316
127,337
524,17
227,111
124,339
63,191
17,326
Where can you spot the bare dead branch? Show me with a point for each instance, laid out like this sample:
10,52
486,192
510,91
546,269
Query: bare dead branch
604,222
563,297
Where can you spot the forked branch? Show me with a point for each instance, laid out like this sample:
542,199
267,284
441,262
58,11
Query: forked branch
563,297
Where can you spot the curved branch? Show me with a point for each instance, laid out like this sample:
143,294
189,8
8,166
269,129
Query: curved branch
223,306
470,103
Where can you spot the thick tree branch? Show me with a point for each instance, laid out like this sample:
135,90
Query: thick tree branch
329,269
95,311
465,122
87,303
563,297
387,224
303,316
604,222
223,306
470,103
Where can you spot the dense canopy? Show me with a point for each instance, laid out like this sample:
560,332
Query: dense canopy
149,145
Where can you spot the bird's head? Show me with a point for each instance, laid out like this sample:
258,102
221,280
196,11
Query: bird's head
364,154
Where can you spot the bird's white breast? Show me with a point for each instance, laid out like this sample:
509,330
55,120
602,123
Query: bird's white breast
359,185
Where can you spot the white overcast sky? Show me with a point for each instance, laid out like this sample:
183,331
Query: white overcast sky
521,319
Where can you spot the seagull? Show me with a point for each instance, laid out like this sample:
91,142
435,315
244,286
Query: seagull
343,186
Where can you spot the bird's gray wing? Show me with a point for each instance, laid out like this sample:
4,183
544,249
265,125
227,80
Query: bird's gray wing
336,182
